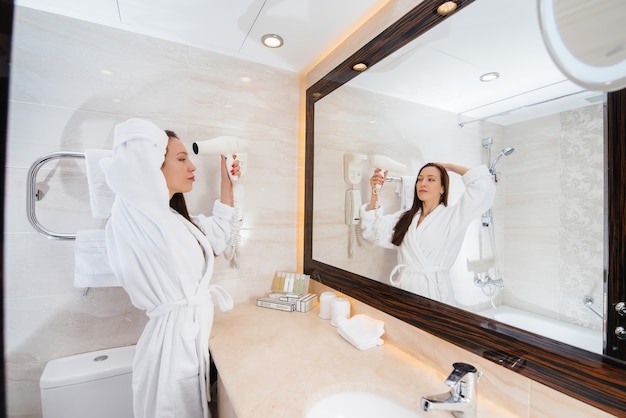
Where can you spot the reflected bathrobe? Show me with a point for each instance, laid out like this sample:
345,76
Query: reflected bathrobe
429,250
165,264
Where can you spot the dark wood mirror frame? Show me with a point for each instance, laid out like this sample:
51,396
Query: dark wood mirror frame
592,378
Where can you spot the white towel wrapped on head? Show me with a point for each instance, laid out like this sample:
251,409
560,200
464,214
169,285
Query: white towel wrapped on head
361,331
91,266
100,195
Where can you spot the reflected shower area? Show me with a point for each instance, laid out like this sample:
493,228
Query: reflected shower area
541,244
486,269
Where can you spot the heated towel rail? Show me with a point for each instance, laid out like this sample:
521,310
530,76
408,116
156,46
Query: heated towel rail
33,194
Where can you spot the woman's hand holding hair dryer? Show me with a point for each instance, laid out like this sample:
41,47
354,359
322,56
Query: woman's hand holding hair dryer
376,182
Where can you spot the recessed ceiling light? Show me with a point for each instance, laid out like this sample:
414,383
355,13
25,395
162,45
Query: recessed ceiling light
446,8
490,76
359,67
272,41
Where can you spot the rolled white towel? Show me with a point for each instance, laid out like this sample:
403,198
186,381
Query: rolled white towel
100,195
406,190
91,266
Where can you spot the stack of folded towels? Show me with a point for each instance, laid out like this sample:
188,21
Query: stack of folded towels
361,331
91,266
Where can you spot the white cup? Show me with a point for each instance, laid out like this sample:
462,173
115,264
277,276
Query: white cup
326,299
340,308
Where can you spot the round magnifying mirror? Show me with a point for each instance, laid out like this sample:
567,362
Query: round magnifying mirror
587,40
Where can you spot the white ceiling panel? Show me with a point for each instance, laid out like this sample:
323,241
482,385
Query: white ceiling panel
214,24
104,12
232,27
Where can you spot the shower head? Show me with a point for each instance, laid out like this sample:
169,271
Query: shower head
504,152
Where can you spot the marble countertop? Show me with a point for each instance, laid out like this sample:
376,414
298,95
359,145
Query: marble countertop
278,364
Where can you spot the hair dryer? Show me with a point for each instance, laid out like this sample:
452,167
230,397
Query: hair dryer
226,146
386,164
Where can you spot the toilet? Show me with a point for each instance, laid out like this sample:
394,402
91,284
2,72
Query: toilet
94,385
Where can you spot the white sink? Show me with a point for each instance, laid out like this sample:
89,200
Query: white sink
359,405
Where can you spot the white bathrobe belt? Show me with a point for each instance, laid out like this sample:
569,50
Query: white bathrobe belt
203,297
403,270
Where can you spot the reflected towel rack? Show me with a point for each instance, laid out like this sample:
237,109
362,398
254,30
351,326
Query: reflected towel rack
393,179
33,194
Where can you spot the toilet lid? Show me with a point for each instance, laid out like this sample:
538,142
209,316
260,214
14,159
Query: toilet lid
87,367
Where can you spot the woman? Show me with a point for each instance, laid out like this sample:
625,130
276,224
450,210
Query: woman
430,234
164,259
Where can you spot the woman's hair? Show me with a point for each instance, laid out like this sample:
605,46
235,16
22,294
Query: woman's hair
177,202
399,231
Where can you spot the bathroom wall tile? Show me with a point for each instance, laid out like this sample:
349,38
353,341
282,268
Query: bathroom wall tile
93,69
36,130
236,96
61,101
262,252
37,266
103,318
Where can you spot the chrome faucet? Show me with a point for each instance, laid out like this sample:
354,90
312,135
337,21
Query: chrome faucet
461,399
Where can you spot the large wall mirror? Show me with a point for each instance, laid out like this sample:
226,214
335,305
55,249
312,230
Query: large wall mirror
547,258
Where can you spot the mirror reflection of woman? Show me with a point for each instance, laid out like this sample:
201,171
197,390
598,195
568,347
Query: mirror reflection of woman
164,258
430,234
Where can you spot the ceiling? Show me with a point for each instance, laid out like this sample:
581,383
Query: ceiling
440,69
310,28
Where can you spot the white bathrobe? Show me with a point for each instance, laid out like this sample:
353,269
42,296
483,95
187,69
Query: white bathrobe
430,249
165,264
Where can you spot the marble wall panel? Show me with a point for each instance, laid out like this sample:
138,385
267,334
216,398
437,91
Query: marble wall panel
68,92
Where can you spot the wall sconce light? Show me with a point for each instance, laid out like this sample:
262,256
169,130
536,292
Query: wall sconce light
272,41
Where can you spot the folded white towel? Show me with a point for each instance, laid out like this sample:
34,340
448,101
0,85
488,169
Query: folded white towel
100,195
91,266
361,331
406,190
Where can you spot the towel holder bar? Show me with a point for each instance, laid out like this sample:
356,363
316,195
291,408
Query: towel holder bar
32,194
393,179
